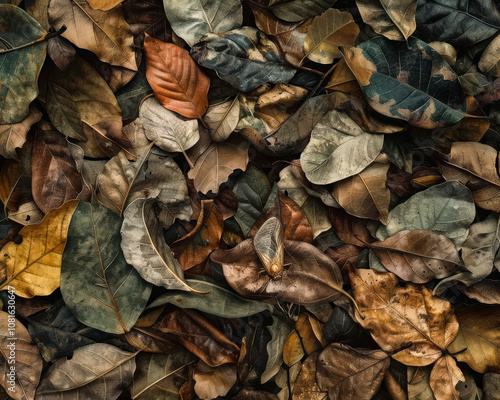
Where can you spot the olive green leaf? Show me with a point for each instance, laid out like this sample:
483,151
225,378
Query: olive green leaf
447,208
217,300
460,23
129,97
145,248
393,19
244,57
280,330
408,81
330,30
196,18
22,53
97,284
297,10
338,149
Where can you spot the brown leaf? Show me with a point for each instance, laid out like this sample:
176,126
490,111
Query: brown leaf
150,341
213,382
13,136
487,291
397,315
393,386
418,256
309,329
292,349
474,165
311,278
348,373
444,378
196,246
349,229
305,387
62,52
295,223
177,81
215,165
365,195
343,80
103,5
199,336
479,334
147,17
55,177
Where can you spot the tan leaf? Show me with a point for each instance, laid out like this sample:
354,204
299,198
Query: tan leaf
213,382
445,50
104,5
222,119
418,383
34,266
444,378
343,80
487,291
305,387
309,329
13,136
490,59
397,315
104,33
292,349
177,81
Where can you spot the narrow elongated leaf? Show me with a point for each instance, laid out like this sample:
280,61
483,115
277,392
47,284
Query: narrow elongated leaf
297,10
38,254
329,31
279,332
178,83
97,284
98,370
20,67
145,248
13,136
105,33
21,354
244,57
338,149
196,18
428,95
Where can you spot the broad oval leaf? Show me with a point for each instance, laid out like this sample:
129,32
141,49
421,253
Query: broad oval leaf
145,248
222,119
490,59
13,136
427,95
178,83
96,371
390,316
444,378
244,57
39,254
297,10
97,284
196,18
26,360
338,149
105,33
311,278
211,382
166,129
20,66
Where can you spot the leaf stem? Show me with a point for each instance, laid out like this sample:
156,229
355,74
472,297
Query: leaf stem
48,36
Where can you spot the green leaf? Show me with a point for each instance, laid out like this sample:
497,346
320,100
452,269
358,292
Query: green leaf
97,284
446,208
410,82
460,23
338,149
218,301
20,65
297,10
252,190
244,57
130,96
196,18
280,330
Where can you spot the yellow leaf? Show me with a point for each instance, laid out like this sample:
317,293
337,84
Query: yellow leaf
33,267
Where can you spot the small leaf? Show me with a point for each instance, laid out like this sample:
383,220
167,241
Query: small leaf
13,136
444,378
213,382
222,119
297,10
280,330
490,59
103,5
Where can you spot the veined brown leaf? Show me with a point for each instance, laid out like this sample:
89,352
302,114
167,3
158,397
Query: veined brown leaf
444,378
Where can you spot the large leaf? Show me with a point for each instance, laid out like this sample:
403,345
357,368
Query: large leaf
338,149
177,82
218,300
96,371
13,136
479,335
297,10
38,254
457,22
244,57
145,248
24,357
394,20
329,31
97,284
420,87
215,165
390,316
196,18
105,33
446,208
21,64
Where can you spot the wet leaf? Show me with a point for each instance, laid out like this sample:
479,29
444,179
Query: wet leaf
97,284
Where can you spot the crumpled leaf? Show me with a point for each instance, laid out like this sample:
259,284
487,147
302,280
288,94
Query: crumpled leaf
97,284
196,18
338,149
178,83
390,316
244,57
401,92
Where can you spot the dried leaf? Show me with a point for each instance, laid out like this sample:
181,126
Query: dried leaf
13,136
222,119
444,378
213,382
